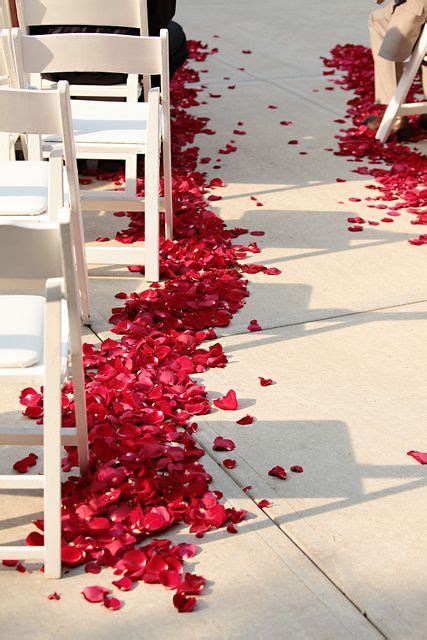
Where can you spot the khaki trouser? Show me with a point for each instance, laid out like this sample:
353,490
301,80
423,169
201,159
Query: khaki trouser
393,36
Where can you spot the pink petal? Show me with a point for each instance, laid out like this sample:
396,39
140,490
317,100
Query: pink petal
94,593
419,456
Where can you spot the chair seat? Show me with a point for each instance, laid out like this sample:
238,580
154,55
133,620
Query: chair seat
102,122
21,330
22,336
24,188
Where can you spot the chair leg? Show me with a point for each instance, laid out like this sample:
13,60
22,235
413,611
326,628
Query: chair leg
399,97
130,174
81,266
152,179
52,436
80,412
167,178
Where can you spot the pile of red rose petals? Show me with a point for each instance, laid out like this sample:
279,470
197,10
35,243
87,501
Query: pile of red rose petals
145,472
400,172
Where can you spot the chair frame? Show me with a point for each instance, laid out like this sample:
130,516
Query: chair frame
51,53
38,112
397,105
49,257
99,13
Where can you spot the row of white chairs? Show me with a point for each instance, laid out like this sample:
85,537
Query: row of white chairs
108,129
42,240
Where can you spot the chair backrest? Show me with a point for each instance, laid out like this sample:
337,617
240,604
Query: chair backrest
32,253
33,112
96,13
29,252
82,52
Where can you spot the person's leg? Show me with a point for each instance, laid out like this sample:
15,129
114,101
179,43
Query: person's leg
386,72
178,52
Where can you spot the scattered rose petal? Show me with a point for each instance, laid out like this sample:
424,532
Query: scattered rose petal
264,504
183,603
254,326
419,456
245,420
223,444
229,463
94,593
112,603
124,584
278,472
297,469
228,402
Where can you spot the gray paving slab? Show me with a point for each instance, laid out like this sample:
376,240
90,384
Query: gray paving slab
347,404
259,586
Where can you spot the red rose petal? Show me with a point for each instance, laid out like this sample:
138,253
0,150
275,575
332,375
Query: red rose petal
112,603
124,584
272,271
183,603
72,557
297,469
231,528
265,382
228,402
223,444
94,593
278,472
229,463
254,326
419,456
54,596
245,420
35,539
264,504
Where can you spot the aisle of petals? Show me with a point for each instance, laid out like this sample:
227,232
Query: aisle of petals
400,172
145,471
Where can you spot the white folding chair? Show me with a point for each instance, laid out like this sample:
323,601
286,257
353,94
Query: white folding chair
397,105
36,189
97,13
118,130
38,335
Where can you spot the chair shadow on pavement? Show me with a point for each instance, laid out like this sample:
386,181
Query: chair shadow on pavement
331,472
313,233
